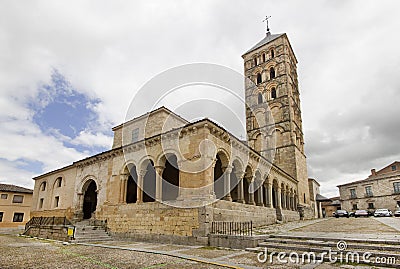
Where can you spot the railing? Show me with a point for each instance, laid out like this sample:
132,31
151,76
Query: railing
47,221
232,228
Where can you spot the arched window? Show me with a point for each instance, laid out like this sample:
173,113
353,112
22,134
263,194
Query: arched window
272,53
271,73
255,61
259,79
263,57
260,98
273,93
43,186
58,182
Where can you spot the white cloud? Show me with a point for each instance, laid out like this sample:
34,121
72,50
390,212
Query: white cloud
347,52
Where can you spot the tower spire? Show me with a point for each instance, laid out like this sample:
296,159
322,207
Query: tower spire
266,20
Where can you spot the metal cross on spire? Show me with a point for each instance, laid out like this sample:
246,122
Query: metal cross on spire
266,20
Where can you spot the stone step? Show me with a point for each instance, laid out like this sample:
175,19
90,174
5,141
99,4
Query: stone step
316,249
348,240
332,244
318,255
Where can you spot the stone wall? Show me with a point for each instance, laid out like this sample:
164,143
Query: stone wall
49,232
130,220
54,213
289,215
229,211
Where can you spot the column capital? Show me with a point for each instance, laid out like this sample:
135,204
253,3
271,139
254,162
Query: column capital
142,173
124,177
227,169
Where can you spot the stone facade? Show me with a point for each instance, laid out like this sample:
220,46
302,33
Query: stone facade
15,205
168,179
380,190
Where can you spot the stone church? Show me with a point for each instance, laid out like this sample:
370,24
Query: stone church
160,180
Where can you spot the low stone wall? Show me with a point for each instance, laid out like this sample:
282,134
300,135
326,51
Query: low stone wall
235,241
50,232
290,215
308,213
230,211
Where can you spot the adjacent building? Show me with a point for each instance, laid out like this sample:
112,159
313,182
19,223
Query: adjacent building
316,199
15,205
380,190
328,207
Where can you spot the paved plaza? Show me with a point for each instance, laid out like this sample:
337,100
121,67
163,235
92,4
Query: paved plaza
23,252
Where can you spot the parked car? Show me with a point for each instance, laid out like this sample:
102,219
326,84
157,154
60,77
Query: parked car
341,213
397,213
383,212
361,213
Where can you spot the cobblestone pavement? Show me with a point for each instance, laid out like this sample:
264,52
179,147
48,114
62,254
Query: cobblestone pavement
22,252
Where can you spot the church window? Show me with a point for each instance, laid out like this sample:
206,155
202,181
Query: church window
43,186
304,197
56,201
260,98
273,93
272,54
41,201
259,79
59,182
271,73
263,57
255,61
135,135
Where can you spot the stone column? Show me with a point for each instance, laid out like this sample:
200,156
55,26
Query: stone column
159,171
278,197
227,183
260,194
287,200
141,175
251,192
123,186
240,175
268,194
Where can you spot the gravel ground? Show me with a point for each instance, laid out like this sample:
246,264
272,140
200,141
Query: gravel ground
20,252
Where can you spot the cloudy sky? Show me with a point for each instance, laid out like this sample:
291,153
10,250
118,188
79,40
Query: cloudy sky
68,70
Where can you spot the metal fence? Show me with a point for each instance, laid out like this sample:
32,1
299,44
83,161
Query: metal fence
47,221
232,228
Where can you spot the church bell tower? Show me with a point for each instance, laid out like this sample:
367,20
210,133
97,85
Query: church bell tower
271,90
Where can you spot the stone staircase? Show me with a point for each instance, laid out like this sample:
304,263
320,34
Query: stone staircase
87,233
387,251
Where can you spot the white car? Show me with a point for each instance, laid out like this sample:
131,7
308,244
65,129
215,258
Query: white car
383,212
